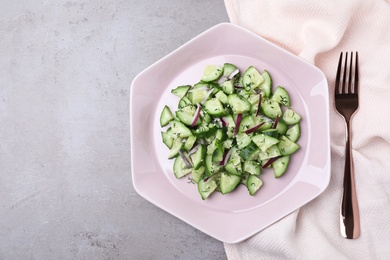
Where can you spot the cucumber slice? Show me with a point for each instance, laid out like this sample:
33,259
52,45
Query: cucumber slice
214,107
239,104
186,115
266,86
254,184
211,73
228,87
281,96
176,147
198,158
196,175
247,122
198,93
211,167
180,169
189,143
242,140
281,127
181,91
294,133
249,151
252,167
167,138
206,188
287,146
251,79
228,69
233,165
179,129
264,141
291,117
271,108
280,166
221,97
228,182
166,116
271,152
184,102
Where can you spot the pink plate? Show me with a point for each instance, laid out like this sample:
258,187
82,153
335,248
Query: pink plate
233,217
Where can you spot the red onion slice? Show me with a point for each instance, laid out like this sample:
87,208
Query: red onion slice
224,124
185,159
207,95
259,105
250,130
275,124
234,73
196,116
222,79
238,122
270,161
226,156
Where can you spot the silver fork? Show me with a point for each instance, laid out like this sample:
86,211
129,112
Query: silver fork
347,102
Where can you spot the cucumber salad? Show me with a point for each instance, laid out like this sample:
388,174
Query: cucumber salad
228,128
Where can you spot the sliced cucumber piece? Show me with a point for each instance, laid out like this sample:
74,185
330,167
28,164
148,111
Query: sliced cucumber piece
197,174
167,138
179,129
214,107
211,167
264,141
287,146
228,182
294,133
186,115
271,108
184,101
198,158
281,96
221,97
280,166
251,78
266,86
271,152
166,116
176,147
228,69
254,183
239,104
291,117
211,73
228,87
206,188
249,151
181,91
198,93
180,169
252,167
189,143
242,140
233,165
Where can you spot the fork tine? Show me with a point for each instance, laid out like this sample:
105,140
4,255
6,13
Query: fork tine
356,85
349,91
344,74
337,89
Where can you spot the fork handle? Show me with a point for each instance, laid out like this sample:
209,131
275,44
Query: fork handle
349,212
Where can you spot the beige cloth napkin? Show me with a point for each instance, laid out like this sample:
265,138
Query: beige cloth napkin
318,31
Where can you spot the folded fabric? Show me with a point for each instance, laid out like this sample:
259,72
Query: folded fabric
318,31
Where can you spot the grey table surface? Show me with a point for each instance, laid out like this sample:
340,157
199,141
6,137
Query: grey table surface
65,181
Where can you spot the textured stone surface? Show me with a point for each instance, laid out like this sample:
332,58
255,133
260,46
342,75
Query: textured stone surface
65,181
